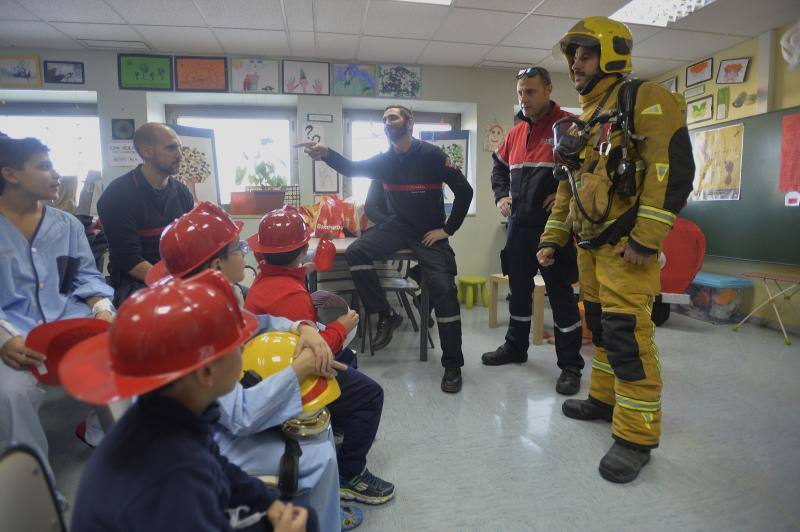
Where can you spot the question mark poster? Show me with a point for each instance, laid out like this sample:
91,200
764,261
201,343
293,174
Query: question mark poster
325,179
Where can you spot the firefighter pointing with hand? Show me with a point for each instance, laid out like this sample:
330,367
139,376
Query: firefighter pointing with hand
626,169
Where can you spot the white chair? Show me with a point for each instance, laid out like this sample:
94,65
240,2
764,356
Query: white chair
28,502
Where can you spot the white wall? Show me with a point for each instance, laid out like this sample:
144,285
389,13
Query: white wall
480,95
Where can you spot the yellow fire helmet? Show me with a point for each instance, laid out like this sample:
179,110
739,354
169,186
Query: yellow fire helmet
614,38
271,352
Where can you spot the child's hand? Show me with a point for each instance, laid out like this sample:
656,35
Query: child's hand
310,338
287,518
306,364
349,320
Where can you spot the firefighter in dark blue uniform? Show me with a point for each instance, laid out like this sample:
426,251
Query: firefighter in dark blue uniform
412,173
524,191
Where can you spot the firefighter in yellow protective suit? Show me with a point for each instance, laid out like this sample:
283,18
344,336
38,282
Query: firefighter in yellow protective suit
627,169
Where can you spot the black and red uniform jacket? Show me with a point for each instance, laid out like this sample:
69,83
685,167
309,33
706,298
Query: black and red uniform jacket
134,214
413,187
523,168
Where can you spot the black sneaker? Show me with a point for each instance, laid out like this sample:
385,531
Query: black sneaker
451,382
366,488
386,326
587,409
569,383
504,354
622,464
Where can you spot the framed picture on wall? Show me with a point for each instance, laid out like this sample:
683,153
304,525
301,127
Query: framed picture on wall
399,81
326,179
255,75
353,80
144,72
699,72
306,77
670,84
455,144
199,167
20,71
695,91
201,74
700,110
64,72
733,70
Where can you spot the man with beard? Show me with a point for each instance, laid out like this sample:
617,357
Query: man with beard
412,173
624,181
136,207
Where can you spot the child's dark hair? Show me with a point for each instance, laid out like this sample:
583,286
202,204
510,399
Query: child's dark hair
221,254
14,153
282,259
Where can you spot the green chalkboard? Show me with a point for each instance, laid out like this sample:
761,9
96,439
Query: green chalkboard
757,226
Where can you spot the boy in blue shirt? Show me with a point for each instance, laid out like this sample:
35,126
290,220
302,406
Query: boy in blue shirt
178,346
47,273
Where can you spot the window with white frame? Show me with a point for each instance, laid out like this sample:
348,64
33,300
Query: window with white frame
71,131
366,138
244,138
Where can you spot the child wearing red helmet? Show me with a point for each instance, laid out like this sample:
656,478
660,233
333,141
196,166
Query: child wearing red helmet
279,290
207,238
178,347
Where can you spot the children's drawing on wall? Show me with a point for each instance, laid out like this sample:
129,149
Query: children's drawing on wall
493,135
254,75
718,162
354,80
399,81
306,77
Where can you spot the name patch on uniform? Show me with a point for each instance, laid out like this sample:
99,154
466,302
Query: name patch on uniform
653,110
661,171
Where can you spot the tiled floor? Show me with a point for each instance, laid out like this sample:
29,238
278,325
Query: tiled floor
501,456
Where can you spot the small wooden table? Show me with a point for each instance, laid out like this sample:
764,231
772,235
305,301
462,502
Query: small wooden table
537,331
342,244
787,293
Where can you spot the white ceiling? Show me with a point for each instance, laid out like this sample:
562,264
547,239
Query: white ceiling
478,33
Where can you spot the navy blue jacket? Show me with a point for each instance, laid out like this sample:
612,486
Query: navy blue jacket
133,215
413,186
159,469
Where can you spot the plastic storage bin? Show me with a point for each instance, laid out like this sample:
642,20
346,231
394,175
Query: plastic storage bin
716,298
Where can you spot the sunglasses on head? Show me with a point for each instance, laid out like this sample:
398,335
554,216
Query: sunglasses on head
531,72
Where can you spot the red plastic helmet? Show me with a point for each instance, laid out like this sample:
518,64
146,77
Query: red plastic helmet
192,239
53,339
280,230
160,334
325,255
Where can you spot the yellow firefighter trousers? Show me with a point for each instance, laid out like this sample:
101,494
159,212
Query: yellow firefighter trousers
626,373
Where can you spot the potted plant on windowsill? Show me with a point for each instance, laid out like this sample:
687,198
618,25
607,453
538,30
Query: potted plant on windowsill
265,192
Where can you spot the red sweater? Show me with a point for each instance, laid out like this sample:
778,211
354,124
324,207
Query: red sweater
280,291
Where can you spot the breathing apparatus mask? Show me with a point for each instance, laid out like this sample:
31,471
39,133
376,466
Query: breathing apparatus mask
570,140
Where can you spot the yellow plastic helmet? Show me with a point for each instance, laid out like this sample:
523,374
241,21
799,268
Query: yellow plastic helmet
614,39
272,352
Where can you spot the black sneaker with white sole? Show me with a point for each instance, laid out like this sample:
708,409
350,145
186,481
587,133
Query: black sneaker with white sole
366,488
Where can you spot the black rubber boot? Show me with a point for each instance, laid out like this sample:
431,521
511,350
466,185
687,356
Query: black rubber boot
622,464
386,326
504,354
569,383
451,382
587,409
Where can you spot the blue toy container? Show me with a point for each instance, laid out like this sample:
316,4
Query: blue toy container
716,298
